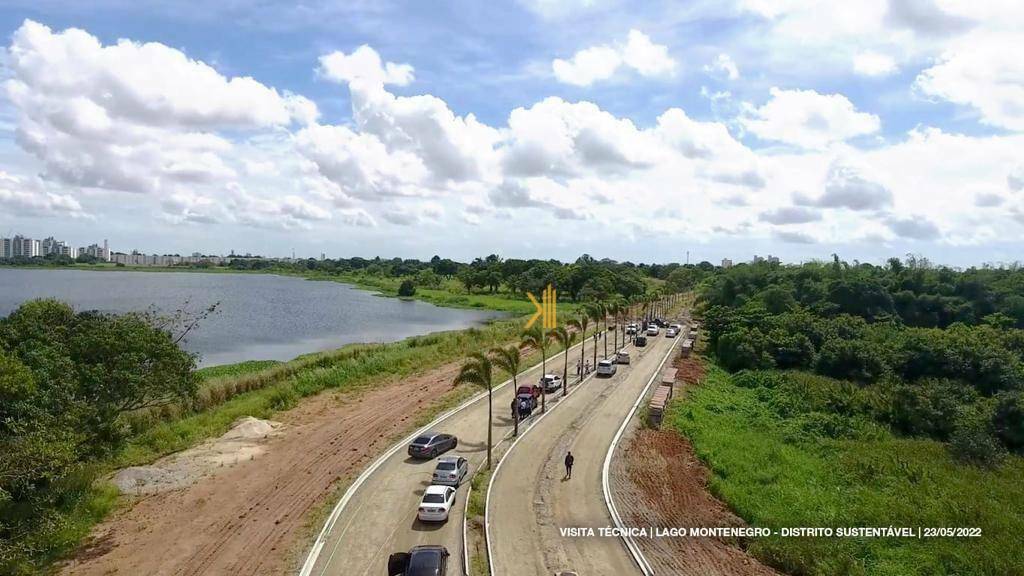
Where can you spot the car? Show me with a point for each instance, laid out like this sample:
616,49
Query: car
551,383
605,368
670,333
631,329
419,561
533,390
437,501
431,444
525,403
652,330
678,327
622,357
640,341
450,470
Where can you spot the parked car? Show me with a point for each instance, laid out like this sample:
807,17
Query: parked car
631,328
670,333
531,390
431,444
622,357
652,330
525,403
436,502
450,470
605,368
640,341
551,383
419,561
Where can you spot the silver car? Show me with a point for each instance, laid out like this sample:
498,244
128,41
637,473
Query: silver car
450,471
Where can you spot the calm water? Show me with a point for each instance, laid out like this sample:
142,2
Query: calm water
260,316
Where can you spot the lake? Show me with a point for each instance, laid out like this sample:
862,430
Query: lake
260,316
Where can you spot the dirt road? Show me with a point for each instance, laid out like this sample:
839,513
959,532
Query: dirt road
531,500
380,518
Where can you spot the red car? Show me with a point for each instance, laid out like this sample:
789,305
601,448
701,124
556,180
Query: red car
527,389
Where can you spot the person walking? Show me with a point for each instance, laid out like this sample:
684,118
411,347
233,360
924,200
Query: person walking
579,369
568,464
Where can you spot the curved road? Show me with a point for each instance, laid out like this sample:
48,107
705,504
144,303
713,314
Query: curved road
531,500
380,518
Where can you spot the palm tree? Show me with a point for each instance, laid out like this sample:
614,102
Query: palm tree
478,371
566,339
537,338
595,311
581,324
509,360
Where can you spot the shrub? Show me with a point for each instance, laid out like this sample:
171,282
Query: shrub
929,407
744,348
856,360
407,289
1008,420
973,439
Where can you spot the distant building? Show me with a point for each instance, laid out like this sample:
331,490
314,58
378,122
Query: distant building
6,248
726,263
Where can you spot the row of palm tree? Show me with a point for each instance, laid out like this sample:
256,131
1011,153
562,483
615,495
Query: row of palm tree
478,369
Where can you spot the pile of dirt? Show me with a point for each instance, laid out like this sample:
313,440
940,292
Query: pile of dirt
689,370
658,481
243,442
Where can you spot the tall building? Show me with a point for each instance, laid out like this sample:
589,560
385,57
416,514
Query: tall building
726,263
6,248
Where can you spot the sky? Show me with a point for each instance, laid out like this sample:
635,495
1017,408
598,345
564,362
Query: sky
531,129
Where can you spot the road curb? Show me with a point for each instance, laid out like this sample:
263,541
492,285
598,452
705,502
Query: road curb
628,542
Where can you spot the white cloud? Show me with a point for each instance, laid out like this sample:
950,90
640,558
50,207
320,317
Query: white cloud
988,199
984,70
916,228
790,215
808,119
22,197
601,62
847,187
723,64
873,64
792,237
1015,179
364,64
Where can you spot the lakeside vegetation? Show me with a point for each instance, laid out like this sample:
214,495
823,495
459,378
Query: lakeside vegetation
852,395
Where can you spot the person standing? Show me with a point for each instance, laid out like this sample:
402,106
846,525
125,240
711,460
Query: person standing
568,464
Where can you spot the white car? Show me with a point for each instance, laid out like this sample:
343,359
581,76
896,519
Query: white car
631,329
670,333
450,470
652,330
605,368
622,357
437,501
551,383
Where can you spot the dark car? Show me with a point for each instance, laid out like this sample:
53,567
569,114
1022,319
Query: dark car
431,444
419,561
640,341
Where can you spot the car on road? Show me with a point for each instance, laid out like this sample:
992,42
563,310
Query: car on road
605,368
631,329
419,561
640,341
622,357
436,502
525,403
533,390
551,382
431,444
450,470
670,333
652,330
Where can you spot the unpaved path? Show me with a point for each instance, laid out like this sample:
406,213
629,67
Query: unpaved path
657,480
530,499
248,519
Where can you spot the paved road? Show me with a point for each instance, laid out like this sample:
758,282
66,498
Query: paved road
381,516
531,500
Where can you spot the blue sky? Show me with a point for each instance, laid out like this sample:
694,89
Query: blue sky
532,129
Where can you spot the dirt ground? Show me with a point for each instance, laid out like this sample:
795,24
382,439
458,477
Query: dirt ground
252,518
658,481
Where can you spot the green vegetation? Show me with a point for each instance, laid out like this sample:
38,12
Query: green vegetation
791,449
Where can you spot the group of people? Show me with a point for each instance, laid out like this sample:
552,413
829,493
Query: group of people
582,369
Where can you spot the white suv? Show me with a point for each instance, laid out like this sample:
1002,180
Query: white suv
652,330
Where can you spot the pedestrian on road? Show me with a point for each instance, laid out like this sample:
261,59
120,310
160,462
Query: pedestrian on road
579,369
587,369
568,465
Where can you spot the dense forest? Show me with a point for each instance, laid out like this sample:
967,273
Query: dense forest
927,350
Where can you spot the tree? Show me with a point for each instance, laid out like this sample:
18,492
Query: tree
478,371
566,339
509,360
581,324
1009,419
744,348
856,360
536,337
596,311
407,289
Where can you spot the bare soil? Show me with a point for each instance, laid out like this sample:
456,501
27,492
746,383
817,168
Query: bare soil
251,516
658,481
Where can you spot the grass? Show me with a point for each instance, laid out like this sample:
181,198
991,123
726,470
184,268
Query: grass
234,370
774,473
